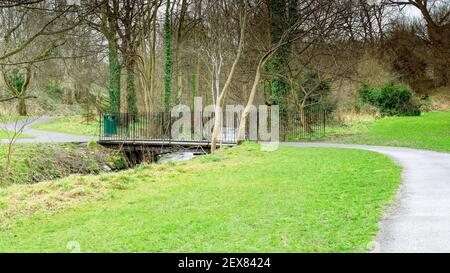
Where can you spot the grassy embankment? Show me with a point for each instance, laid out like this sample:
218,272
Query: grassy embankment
73,125
242,199
429,131
32,163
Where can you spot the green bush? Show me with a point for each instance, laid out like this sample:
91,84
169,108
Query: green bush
55,89
391,99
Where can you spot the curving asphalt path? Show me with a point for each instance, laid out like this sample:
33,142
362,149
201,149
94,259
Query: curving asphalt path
420,219
42,136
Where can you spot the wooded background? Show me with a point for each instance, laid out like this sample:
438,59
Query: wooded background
148,55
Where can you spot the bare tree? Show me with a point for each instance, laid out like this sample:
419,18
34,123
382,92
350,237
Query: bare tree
47,28
31,33
314,17
221,98
436,14
251,98
13,128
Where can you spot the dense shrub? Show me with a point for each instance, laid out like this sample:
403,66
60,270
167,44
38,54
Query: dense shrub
391,99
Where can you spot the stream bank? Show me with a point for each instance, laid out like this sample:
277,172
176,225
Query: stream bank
33,163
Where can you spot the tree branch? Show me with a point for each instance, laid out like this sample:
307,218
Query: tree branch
17,97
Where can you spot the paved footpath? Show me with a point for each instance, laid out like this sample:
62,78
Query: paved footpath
42,136
420,220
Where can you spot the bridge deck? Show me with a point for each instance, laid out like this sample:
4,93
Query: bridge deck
164,142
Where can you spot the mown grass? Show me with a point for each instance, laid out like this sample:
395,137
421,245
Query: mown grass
7,135
428,131
73,125
240,200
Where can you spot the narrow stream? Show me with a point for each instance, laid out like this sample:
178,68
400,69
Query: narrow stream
175,157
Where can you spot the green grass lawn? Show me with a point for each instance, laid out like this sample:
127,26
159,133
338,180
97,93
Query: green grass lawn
5,135
74,125
240,200
428,131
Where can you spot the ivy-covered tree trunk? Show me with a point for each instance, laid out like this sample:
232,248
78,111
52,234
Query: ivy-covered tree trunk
153,60
114,79
168,59
131,90
280,14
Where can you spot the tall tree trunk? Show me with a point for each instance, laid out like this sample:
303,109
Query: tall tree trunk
143,79
303,120
115,70
153,56
131,89
193,91
184,6
300,107
279,11
179,87
213,68
196,77
196,89
168,59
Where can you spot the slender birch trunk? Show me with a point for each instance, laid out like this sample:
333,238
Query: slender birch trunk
221,99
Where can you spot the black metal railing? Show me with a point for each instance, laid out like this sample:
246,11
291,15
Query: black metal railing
296,126
157,126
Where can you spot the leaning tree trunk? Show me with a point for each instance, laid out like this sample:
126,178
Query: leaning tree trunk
262,62
221,99
251,97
